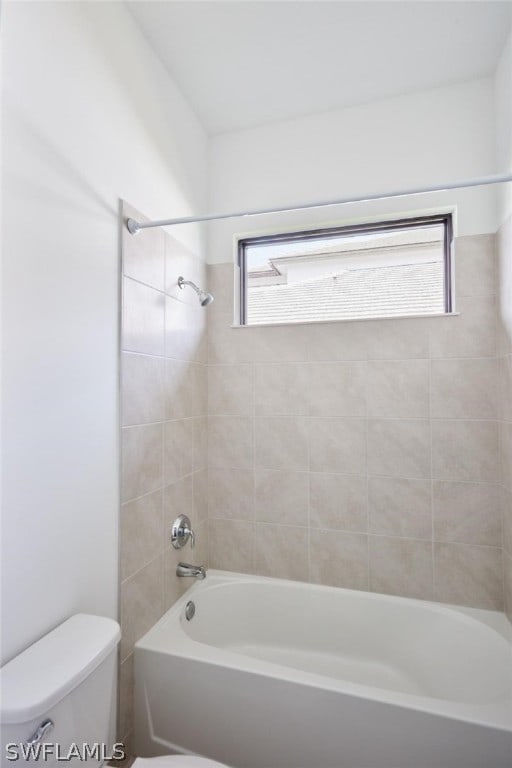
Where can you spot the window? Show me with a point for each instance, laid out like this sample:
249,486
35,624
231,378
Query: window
384,269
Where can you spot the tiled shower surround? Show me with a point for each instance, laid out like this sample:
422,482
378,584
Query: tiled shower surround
369,455
361,454
164,434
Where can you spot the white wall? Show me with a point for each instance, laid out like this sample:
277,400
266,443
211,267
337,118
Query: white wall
420,139
90,116
503,106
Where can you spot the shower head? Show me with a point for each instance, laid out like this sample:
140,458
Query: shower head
204,297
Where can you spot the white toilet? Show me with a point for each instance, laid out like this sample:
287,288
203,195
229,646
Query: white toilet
58,700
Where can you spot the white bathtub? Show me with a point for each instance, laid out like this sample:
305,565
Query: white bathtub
278,674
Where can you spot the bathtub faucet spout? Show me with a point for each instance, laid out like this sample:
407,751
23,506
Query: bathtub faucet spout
186,569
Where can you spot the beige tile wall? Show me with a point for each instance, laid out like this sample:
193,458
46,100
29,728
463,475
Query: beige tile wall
504,242
363,454
164,434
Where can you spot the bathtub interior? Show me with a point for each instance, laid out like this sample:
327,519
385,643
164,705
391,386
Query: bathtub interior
378,642
373,640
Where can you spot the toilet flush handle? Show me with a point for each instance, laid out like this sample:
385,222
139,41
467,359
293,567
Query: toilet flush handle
45,727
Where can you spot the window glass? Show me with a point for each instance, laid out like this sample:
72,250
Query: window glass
379,270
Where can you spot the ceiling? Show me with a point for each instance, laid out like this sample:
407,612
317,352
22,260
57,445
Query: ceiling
242,64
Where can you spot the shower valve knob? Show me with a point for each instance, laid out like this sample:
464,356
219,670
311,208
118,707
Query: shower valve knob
181,532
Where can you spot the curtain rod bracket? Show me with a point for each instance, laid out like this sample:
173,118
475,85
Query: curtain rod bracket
135,226
132,226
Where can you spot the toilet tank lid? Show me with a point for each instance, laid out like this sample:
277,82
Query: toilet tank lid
39,677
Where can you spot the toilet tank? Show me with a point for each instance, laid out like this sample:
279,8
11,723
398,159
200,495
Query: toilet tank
70,677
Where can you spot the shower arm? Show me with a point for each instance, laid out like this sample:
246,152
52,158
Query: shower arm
134,226
182,282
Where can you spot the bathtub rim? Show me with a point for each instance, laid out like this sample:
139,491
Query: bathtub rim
169,627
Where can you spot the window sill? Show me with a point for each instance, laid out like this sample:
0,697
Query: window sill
347,320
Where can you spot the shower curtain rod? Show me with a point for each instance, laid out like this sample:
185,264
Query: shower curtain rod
134,226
